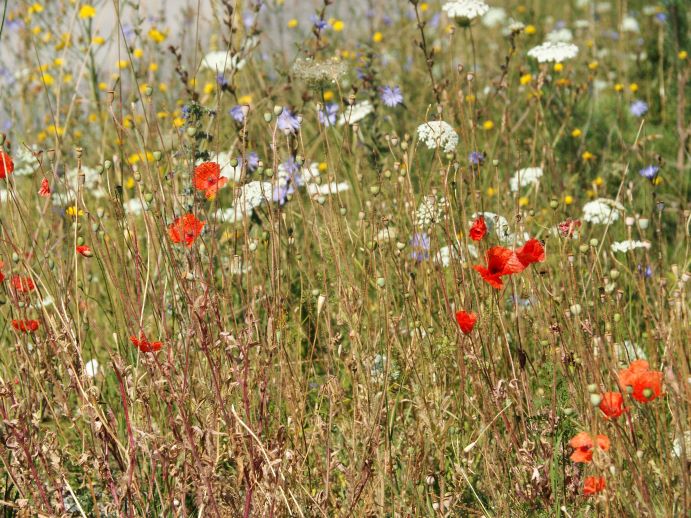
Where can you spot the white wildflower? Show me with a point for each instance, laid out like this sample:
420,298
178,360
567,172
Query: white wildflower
513,26
91,368
250,196
677,449
560,35
553,51
438,134
355,113
430,211
628,245
135,206
220,61
628,352
465,9
323,189
525,177
387,234
500,226
494,17
630,24
602,211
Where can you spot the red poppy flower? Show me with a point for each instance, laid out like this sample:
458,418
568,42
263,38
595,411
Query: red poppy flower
583,445
531,252
6,165
2,275
25,326
23,284
185,229
479,229
593,485
612,405
466,321
85,251
45,188
144,345
645,385
500,261
207,177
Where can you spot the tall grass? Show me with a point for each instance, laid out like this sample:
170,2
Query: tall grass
310,360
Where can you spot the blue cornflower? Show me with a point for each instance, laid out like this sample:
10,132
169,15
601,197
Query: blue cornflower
476,158
185,112
319,23
649,172
237,112
252,161
288,121
293,172
248,19
638,108
281,193
221,80
391,96
661,17
327,116
420,244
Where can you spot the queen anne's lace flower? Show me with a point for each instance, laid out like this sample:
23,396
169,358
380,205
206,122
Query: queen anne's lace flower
438,134
251,195
564,35
431,210
602,211
553,51
628,245
468,9
525,177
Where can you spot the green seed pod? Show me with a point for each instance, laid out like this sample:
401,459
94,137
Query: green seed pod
148,197
374,189
267,117
614,274
107,164
80,241
592,388
137,176
15,257
554,204
617,317
583,248
157,156
381,282
191,131
594,242
278,110
595,399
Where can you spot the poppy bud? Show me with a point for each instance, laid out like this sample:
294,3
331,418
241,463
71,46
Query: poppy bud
592,388
192,131
278,110
107,164
157,156
381,282
594,242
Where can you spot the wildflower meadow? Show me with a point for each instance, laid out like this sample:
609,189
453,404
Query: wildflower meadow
329,258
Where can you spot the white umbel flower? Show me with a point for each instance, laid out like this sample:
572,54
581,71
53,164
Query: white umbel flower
525,177
628,245
468,9
630,24
431,210
251,196
564,35
602,211
494,17
221,60
553,51
324,189
438,134
355,113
